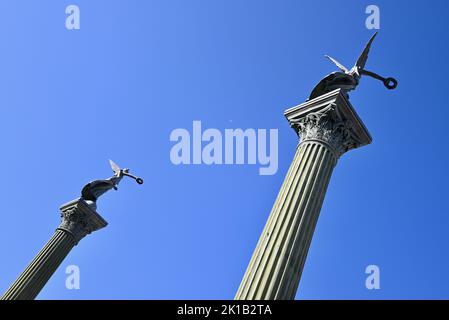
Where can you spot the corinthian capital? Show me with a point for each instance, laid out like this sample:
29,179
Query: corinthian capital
331,120
79,219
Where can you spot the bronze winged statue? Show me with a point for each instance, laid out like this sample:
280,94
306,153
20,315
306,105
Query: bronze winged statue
93,190
349,79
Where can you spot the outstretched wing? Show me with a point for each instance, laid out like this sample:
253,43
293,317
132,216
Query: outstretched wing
338,64
364,56
114,166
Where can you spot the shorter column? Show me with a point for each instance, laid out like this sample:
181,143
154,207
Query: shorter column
78,220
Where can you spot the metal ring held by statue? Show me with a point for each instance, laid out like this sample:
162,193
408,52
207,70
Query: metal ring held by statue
390,83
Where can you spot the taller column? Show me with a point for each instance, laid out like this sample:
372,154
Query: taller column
327,127
78,220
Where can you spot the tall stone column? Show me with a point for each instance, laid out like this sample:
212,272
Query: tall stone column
78,220
327,127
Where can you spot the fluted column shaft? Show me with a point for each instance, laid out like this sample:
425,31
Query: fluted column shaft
276,265
39,271
78,220
327,127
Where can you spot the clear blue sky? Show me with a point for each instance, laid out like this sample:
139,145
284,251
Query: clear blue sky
136,70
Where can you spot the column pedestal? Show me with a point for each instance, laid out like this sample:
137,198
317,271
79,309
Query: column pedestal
78,220
327,127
